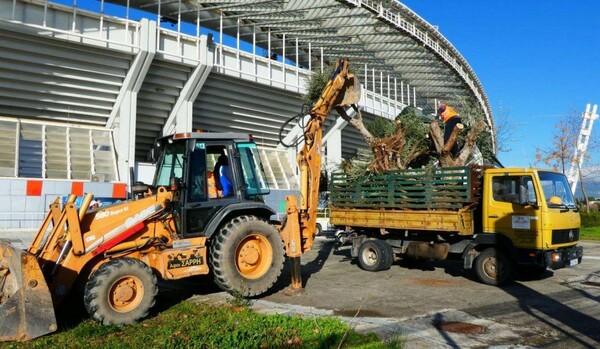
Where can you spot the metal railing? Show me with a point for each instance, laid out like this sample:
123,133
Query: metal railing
108,31
70,22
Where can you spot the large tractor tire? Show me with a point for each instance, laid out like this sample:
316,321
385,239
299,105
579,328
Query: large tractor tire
493,267
120,292
375,255
247,256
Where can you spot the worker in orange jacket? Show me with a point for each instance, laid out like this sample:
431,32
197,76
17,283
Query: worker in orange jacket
451,118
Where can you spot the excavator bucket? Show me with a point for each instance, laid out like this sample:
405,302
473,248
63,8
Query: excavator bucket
350,93
26,309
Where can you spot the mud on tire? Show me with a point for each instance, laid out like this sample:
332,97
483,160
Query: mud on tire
246,256
120,292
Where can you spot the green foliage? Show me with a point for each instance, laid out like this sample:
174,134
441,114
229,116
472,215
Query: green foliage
591,219
411,113
316,83
318,80
415,128
238,299
199,325
380,127
358,165
592,233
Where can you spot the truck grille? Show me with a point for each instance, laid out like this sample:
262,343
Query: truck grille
562,236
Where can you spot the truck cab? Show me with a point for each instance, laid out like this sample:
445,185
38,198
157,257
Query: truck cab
536,211
216,175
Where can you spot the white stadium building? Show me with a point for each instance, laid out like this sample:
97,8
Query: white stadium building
86,86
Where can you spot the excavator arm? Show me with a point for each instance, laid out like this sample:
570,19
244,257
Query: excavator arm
299,228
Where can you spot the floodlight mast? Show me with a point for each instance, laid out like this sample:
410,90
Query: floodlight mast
589,116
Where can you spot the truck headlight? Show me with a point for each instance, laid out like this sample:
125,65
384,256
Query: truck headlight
556,257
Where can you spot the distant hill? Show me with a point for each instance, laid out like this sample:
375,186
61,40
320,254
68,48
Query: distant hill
591,182
592,188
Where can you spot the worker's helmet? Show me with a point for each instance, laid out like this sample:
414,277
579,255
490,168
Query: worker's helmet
441,109
555,200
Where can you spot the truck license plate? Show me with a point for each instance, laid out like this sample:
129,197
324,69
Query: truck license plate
573,262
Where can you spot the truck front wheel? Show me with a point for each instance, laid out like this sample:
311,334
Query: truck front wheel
247,256
493,267
375,255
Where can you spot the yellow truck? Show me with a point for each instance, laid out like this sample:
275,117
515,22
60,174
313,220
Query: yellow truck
497,220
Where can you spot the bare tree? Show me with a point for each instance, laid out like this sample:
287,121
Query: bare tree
505,129
560,153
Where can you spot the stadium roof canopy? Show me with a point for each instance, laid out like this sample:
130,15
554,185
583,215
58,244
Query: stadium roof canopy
386,36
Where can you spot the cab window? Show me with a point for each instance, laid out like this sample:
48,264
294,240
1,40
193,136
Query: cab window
171,164
220,179
506,188
197,182
255,178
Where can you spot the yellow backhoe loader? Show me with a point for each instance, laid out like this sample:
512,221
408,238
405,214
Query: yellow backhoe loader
203,212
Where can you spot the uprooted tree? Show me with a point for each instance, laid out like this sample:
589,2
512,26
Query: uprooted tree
408,141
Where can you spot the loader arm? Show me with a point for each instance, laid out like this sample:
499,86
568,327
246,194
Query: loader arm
300,226
69,242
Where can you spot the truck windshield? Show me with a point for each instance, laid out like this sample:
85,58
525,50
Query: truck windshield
556,190
255,179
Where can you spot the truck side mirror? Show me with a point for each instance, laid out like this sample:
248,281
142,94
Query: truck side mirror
523,197
524,194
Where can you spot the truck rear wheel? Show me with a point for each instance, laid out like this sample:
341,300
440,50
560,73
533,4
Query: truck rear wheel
120,292
247,256
493,267
375,255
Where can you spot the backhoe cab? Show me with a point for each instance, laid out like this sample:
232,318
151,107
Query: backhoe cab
203,212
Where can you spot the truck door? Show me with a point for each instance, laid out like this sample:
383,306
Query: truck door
506,215
202,197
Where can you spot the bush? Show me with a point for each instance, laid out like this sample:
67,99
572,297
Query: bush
591,219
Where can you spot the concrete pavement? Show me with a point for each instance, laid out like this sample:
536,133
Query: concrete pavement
437,304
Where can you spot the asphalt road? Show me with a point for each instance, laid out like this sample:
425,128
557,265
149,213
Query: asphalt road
438,304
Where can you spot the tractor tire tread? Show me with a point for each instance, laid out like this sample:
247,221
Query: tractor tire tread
223,265
95,292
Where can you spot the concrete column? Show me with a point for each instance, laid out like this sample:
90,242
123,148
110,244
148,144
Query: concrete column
334,151
123,116
181,117
332,140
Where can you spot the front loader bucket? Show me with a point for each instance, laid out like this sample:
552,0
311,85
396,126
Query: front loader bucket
26,309
350,93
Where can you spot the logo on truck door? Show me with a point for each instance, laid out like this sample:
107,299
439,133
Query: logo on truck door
521,222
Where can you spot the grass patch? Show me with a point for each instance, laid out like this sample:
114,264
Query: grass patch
199,325
589,233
